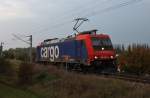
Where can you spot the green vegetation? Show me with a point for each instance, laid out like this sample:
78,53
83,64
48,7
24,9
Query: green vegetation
10,92
6,67
25,74
50,82
19,54
71,85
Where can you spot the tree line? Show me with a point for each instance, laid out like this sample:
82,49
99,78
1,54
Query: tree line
135,58
19,54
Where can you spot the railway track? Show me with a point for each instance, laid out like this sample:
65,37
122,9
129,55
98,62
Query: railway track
122,76
131,78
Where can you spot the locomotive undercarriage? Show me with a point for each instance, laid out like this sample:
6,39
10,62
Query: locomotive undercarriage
104,66
97,66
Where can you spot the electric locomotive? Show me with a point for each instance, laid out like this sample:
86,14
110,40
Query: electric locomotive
85,50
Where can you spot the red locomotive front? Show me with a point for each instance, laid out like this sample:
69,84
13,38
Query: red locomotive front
100,50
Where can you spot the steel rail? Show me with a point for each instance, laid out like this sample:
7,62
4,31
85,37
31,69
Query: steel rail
131,78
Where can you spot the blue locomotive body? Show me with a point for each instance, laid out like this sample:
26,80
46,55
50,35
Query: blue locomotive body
86,50
71,51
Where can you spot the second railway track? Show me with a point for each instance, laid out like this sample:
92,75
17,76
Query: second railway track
131,78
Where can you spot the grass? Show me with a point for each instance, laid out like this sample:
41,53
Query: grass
51,82
15,63
10,92
92,87
71,85
11,76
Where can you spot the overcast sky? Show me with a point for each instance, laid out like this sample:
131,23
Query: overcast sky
126,21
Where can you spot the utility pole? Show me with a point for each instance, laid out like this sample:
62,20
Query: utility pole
30,53
29,42
1,49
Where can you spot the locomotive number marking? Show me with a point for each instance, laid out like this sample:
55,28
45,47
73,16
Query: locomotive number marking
51,52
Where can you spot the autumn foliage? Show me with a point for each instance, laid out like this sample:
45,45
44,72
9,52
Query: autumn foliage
135,59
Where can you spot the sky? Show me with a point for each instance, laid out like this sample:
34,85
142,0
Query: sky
126,21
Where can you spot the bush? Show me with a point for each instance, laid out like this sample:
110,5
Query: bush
25,74
6,67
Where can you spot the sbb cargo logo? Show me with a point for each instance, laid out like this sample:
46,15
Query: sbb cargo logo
51,52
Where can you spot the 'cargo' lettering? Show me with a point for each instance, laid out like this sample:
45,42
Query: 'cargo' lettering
51,52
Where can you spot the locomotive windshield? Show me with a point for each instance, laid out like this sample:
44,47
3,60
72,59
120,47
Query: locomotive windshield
101,44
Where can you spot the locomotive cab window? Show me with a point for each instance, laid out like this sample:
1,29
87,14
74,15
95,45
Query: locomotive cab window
101,43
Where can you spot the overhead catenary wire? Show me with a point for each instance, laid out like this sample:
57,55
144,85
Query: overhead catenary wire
66,15
20,39
111,8
47,29
27,42
83,8
51,28
54,27
82,11
94,13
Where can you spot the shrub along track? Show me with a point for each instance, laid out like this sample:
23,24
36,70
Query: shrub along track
122,76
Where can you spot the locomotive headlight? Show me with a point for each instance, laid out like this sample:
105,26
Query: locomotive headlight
111,57
103,48
96,57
